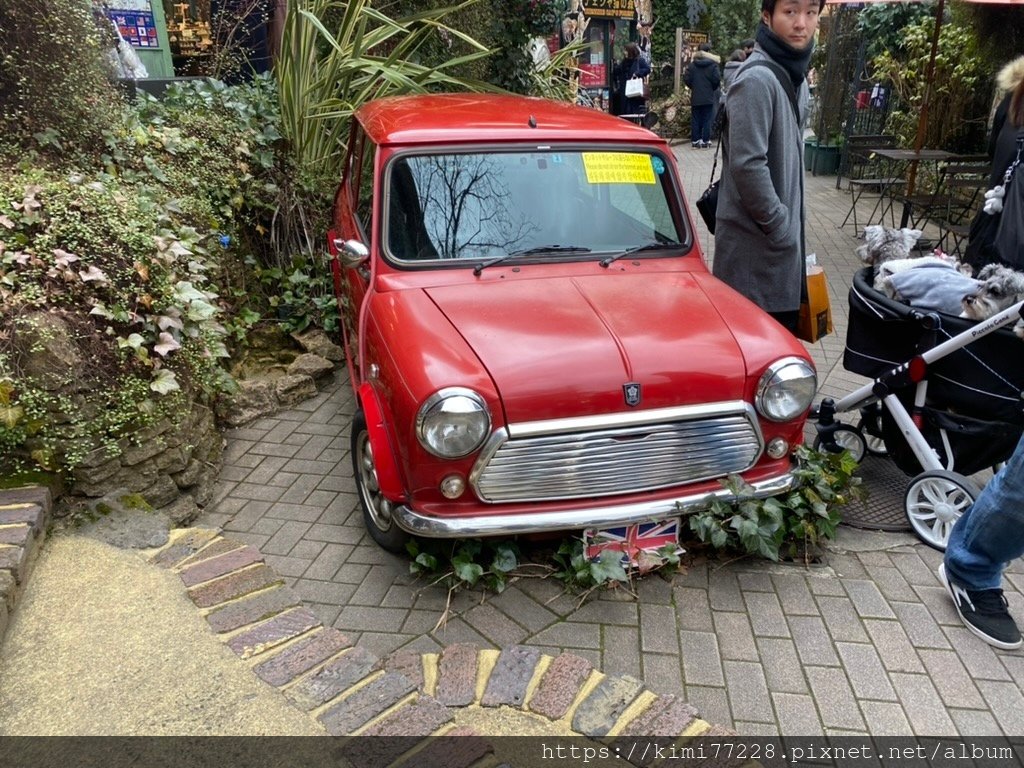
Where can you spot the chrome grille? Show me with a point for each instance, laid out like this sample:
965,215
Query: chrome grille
581,458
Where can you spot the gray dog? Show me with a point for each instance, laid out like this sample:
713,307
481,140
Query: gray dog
1001,287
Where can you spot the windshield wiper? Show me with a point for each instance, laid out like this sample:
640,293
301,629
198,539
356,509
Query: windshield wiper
529,252
653,246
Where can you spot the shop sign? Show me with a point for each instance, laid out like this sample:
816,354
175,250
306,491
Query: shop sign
617,9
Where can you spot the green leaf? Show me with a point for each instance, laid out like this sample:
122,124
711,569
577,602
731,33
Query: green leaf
468,572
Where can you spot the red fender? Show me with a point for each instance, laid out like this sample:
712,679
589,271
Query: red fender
383,456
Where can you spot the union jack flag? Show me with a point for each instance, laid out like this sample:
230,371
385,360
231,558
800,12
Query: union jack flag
631,540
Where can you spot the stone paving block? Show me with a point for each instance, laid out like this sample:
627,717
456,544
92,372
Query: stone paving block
459,748
748,691
269,634
842,620
17,534
408,663
831,587
15,560
755,581
233,585
711,703
655,590
302,656
975,723
560,685
664,670
1006,704
666,716
608,612
735,638
919,625
893,646
951,679
980,659
797,715
658,629
813,644
693,609
38,495
32,514
249,610
510,677
458,631
702,664
867,599
865,670
847,566
794,595
496,626
573,635
891,583
937,601
456,679
334,678
287,536
358,709
781,665
421,718
620,653
362,618
724,592
220,566
600,710
766,617
525,609
837,705
923,706
383,643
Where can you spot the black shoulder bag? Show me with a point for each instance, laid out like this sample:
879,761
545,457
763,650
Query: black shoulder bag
707,203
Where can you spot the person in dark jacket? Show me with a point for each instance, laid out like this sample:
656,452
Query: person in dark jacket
1002,149
632,65
703,78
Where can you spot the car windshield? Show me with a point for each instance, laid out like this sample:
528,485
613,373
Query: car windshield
543,204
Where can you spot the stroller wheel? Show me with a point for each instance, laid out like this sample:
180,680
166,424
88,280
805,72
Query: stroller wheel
935,501
870,425
846,438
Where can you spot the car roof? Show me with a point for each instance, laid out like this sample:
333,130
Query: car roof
475,117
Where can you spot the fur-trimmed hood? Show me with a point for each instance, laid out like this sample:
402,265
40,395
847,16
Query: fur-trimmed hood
1010,75
716,59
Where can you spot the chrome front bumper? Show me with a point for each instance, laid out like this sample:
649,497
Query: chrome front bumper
596,517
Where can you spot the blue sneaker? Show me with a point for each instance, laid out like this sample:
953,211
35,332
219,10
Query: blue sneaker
984,612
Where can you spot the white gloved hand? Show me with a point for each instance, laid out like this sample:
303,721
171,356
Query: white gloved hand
994,200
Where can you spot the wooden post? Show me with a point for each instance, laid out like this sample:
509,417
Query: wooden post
929,76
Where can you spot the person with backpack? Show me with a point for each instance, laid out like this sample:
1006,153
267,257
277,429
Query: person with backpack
703,78
759,234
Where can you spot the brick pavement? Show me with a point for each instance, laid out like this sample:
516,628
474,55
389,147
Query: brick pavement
867,643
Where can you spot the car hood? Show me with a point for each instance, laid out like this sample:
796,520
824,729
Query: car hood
564,346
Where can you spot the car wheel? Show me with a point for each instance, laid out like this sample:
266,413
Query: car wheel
845,437
377,511
935,501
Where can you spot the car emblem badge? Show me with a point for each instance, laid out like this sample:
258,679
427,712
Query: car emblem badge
632,392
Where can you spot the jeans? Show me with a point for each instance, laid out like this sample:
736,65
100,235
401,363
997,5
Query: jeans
991,531
700,123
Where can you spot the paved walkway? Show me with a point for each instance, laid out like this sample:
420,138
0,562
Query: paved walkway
867,643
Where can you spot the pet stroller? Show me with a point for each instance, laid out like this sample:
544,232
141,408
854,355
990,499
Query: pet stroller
947,400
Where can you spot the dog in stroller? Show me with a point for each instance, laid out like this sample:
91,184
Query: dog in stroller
946,399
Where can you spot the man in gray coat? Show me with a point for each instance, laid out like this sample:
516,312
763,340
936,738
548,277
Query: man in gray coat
759,236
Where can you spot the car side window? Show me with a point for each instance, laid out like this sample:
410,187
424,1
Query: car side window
360,175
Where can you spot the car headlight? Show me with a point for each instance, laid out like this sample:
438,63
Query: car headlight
786,389
453,422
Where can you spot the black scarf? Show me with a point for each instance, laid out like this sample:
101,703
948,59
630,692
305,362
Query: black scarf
795,61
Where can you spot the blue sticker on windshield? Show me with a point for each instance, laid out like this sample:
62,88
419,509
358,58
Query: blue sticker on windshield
658,164
556,158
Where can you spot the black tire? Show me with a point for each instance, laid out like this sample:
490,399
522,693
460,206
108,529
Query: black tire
935,500
846,437
376,509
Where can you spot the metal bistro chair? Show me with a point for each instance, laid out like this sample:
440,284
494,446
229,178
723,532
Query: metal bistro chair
856,166
965,183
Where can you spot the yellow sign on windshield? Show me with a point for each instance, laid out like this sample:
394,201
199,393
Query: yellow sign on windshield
618,168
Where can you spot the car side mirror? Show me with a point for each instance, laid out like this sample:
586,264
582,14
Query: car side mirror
352,253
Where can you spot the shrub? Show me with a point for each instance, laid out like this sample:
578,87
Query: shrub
54,77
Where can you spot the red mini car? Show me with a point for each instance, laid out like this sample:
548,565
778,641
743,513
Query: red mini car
533,338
